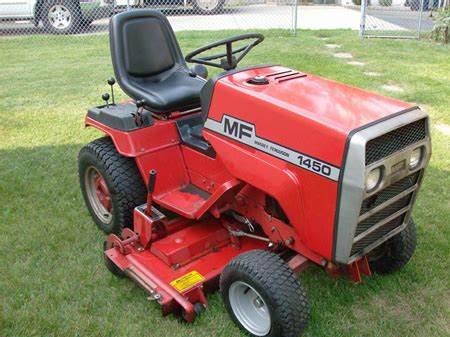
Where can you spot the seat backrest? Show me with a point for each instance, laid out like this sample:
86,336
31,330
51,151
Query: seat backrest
143,47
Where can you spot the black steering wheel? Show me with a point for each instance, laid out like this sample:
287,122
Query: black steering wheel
228,60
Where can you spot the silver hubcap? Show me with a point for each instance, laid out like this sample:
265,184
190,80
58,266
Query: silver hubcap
249,308
207,4
59,16
91,177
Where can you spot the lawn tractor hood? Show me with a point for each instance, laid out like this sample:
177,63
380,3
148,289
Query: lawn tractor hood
335,136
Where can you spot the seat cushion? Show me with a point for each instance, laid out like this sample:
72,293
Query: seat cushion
146,49
177,91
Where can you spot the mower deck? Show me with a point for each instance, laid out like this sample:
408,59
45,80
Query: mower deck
177,269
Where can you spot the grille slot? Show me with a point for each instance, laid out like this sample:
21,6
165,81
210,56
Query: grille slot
391,142
377,234
383,214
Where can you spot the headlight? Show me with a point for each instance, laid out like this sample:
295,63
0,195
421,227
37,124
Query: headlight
416,157
373,179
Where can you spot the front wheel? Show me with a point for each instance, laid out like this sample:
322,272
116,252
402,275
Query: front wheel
61,17
263,296
395,253
206,7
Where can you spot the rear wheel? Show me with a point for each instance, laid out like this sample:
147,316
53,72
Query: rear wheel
395,253
263,296
111,185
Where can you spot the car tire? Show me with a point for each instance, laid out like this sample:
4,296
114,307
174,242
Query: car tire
263,297
111,185
395,253
61,16
207,7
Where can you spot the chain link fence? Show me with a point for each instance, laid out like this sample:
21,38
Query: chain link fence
52,17
398,18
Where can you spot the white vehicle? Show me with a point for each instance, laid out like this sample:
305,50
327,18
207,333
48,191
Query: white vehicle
204,7
57,16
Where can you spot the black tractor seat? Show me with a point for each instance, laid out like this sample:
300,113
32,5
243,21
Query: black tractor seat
148,63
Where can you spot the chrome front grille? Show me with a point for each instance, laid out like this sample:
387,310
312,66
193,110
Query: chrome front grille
388,209
366,219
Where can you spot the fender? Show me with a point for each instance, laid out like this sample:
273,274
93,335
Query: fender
141,141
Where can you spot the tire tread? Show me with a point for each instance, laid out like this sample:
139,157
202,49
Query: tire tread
400,249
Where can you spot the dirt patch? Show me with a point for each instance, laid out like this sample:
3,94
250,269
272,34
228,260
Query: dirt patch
392,88
372,74
443,128
356,63
343,55
333,46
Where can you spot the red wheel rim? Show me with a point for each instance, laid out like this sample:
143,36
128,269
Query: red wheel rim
102,191
98,194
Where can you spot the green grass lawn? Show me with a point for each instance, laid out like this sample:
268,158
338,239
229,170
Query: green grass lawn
52,278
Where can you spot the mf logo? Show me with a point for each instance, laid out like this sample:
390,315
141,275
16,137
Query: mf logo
236,128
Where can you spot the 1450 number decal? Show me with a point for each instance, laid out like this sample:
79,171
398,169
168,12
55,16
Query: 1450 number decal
314,165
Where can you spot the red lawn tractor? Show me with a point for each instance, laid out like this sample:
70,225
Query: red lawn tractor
241,180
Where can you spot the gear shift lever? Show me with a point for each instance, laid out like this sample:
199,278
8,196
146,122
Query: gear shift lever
138,115
105,97
111,81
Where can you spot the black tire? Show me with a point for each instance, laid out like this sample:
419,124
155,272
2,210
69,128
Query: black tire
111,265
395,253
122,178
66,7
203,10
275,282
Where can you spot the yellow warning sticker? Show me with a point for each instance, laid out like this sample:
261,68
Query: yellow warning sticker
187,281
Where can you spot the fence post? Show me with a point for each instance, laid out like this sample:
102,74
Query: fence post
362,24
294,17
419,24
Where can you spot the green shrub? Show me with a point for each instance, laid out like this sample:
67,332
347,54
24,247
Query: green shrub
357,2
386,3
441,28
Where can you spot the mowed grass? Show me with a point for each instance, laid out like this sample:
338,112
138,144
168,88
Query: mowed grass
52,278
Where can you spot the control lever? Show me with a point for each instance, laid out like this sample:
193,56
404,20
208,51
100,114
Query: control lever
105,97
150,189
138,114
111,81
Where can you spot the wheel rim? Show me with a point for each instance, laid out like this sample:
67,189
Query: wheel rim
249,308
59,16
207,5
98,194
